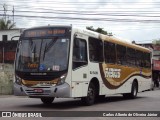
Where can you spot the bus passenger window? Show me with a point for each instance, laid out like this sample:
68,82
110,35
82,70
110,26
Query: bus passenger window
146,60
79,53
109,52
121,55
131,58
139,60
95,50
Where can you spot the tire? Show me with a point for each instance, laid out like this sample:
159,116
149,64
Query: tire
126,95
101,98
152,86
47,100
134,91
90,98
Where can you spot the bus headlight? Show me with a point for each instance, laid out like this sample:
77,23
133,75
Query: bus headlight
61,80
18,80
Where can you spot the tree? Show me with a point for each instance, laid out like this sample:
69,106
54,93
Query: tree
6,24
99,30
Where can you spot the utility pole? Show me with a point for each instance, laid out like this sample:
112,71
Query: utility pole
5,19
5,11
13,14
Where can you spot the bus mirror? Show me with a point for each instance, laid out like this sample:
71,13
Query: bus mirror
15,37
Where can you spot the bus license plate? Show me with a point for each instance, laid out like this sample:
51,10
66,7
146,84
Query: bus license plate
38,90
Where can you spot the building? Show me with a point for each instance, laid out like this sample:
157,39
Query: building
8,43
6,35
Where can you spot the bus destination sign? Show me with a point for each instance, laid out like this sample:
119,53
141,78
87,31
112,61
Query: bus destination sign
44,32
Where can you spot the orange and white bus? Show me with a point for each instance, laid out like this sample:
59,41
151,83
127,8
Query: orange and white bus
67,62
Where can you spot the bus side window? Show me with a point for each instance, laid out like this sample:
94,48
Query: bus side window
95,50
109,52
131,58
79,53
147,60
121,55
139,59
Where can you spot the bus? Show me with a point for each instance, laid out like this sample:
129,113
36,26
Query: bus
66,62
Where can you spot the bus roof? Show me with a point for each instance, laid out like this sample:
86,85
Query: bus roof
124,43
112,39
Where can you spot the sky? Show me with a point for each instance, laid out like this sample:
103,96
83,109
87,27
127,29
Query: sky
131,20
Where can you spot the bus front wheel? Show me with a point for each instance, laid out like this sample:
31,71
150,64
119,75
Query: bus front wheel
47,100
90,98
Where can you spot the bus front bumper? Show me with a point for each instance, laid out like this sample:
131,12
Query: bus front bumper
18,90
62,91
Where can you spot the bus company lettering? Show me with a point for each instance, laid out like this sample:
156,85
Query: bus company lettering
112,73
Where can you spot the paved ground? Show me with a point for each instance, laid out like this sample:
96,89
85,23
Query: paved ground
146,101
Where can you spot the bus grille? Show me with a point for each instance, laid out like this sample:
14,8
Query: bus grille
38,91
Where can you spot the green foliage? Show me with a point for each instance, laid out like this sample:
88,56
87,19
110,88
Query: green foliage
99,30
6,24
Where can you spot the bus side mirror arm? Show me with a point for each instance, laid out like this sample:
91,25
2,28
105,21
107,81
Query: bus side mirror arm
15,37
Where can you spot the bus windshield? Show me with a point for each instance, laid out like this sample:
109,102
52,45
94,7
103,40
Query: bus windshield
42,54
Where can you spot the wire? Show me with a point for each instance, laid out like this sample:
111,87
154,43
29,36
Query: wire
145,12
78,13
92,19
99,2
101,11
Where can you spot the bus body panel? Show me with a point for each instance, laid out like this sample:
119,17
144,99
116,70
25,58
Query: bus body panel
120,78
18,90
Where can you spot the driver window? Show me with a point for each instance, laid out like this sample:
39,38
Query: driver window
79,53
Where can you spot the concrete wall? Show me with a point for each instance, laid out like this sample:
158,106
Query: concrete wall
6,79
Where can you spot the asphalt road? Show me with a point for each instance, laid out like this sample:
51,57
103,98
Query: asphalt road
146,101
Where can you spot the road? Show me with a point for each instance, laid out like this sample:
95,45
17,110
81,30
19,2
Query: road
146,101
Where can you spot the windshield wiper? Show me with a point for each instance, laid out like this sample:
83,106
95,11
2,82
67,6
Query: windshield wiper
33,49
48,47
44,51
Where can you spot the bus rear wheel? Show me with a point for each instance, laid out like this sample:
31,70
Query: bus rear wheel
134,91
47,100
90,98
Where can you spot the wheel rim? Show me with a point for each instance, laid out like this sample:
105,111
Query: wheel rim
90,94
